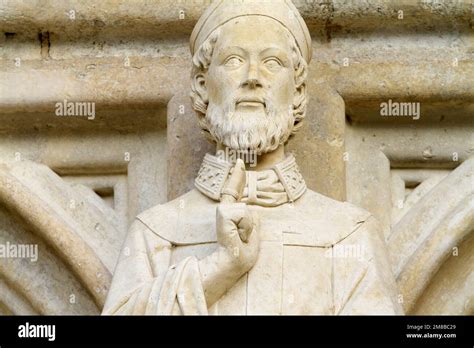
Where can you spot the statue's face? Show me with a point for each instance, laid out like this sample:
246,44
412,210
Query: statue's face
250,85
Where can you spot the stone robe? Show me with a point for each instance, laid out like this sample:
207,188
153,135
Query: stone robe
317,256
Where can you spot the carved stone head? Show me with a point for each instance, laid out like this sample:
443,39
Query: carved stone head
249,69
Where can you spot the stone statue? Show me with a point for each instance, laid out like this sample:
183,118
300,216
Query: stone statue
251,238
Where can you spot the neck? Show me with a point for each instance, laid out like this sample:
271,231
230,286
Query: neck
264,161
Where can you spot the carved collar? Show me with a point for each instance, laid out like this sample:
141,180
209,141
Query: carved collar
281,184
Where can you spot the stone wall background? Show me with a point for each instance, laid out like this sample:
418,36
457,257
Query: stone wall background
72,185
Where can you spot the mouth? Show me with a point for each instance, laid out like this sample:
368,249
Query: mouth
250,102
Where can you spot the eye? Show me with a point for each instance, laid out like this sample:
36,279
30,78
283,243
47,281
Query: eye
233,62
272,64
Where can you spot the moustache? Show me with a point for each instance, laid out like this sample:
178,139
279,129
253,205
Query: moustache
232,103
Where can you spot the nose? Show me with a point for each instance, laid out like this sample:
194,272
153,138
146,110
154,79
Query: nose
252,80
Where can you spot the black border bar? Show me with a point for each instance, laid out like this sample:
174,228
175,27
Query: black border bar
157,330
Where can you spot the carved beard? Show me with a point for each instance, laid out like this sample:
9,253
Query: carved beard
259,132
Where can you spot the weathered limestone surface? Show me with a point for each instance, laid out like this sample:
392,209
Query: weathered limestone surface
132,60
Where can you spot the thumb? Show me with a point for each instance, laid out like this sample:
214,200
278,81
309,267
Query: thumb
234,186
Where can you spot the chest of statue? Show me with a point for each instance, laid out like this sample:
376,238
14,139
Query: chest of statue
291,276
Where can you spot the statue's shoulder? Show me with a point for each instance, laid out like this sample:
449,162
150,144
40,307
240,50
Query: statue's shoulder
188,219
341,218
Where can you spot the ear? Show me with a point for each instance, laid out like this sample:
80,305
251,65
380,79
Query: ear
199,84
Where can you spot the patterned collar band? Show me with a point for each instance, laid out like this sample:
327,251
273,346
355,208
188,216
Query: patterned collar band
281,184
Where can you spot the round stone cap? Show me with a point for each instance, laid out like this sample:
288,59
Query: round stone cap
283,11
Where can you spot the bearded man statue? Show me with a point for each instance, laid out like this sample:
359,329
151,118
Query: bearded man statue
251,238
